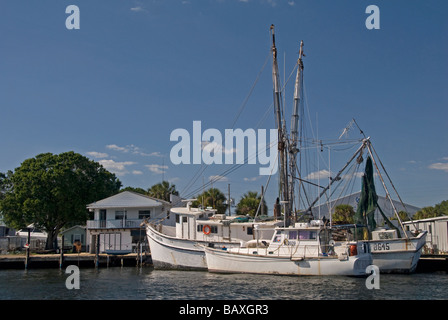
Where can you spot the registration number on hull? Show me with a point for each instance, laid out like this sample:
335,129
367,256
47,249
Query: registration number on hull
383,246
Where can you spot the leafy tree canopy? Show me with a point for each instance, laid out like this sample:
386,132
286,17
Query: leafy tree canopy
440,209
136,190
52,191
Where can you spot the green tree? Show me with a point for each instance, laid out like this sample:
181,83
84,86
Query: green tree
249,204
424,213
343,214
163,190
214,198
52,191
442,208
136,190
404,216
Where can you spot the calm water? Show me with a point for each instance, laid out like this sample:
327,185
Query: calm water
131,283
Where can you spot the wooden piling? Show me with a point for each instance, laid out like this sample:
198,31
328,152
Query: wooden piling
97,253
61,257
27,257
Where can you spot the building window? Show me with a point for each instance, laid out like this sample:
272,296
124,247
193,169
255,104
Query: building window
144,214
120,214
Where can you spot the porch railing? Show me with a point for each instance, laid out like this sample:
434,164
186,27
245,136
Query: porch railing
114,224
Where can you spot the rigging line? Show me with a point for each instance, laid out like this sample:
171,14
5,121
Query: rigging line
266,188
202,168
385,188
329,205
349,179
228,171
251,90
390,181
265,115
225,173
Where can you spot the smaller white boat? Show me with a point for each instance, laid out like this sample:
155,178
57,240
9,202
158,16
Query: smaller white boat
182,246
305,249
396,255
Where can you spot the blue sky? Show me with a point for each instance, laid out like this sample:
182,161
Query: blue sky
116,88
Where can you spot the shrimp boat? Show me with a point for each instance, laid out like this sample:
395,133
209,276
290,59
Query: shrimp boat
182,246
304,249
298,248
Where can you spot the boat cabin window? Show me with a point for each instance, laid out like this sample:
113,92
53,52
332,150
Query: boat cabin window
213,229
294,235
307,235
180,219
278,237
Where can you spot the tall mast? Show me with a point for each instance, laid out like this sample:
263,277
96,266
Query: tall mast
293,147
282,139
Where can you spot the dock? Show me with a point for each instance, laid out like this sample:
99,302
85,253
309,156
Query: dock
432,263
84,260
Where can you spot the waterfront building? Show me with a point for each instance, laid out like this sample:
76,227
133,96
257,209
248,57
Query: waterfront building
72,235
437,238
117,223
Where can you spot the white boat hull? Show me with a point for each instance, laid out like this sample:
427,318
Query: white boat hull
173,253
397,255
223,261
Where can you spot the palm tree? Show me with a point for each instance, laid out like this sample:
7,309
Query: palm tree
163,190
249,204
214,198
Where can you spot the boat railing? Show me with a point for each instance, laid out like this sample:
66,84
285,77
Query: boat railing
299,251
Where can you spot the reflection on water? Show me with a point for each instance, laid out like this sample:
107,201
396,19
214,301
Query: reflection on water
133,283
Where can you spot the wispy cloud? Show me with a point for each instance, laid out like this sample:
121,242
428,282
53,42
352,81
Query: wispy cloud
252,179
156,168
322,174
97,155
137,9
155,154
119,168
216,147
117,148
439,166
218,178
133,149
